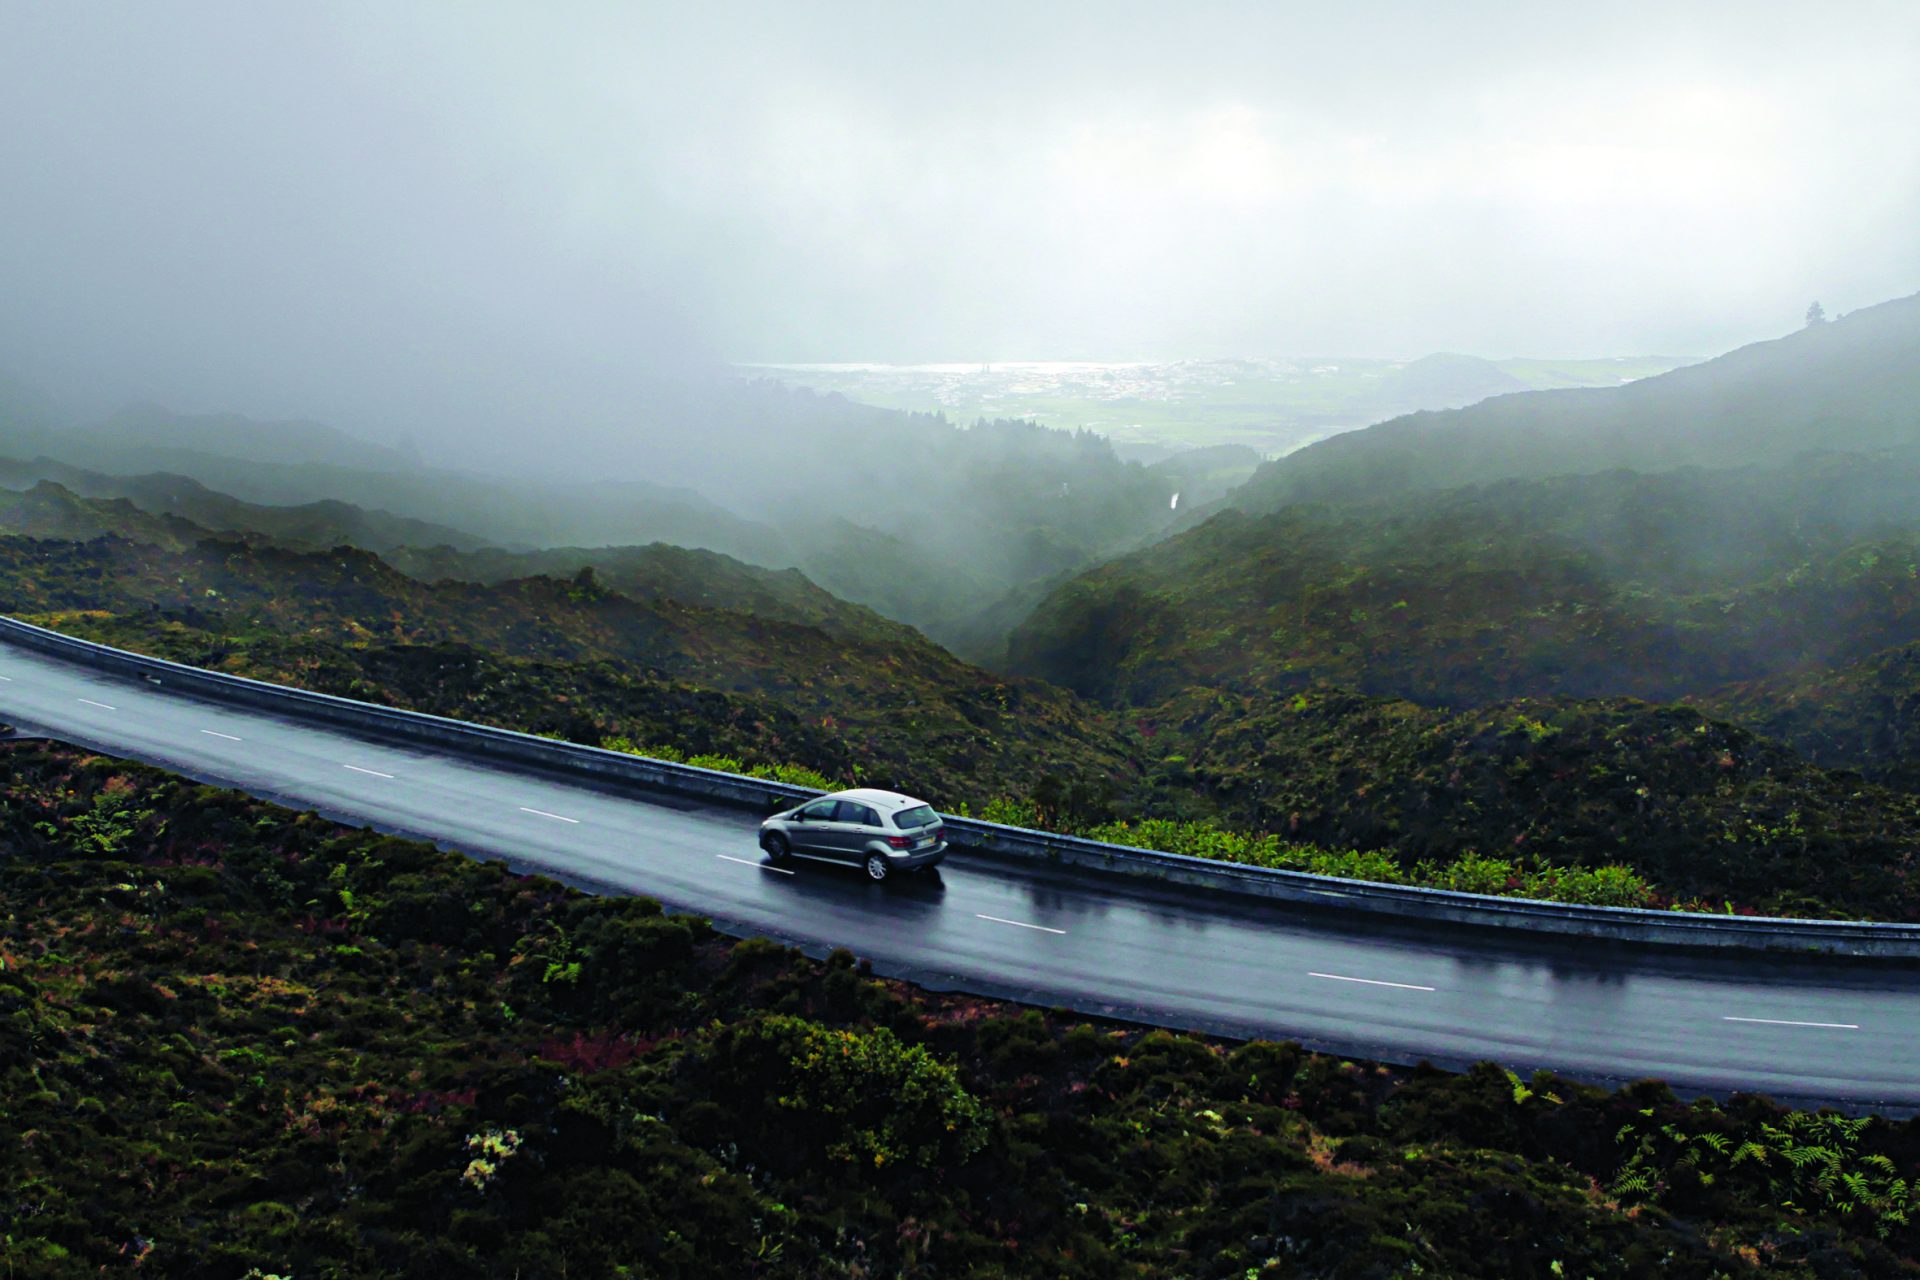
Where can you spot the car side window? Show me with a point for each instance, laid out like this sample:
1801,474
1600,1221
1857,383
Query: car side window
820,811
858,813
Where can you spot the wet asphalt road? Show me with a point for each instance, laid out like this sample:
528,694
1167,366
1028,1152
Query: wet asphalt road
1808,1029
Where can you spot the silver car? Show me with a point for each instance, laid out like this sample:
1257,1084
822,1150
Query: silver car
882,831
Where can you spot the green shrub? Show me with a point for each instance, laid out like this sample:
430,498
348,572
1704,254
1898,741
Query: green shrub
672,755
1469,873
796,775
1011,812
861,1097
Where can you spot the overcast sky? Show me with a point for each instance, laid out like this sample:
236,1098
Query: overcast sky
420,214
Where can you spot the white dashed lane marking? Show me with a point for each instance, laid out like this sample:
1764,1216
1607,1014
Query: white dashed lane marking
1018,924
1788,1022
215,733
748,862
557,817
1370,982
103,706
375,772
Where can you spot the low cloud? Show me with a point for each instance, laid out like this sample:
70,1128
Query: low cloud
450,219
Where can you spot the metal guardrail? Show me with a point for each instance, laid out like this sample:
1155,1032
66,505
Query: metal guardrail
1619,924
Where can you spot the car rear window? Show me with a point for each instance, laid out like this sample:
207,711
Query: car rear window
921,815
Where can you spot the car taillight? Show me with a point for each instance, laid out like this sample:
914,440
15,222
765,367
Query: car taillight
900,842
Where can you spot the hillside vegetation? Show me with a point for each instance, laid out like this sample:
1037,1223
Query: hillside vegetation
188,516
238,1041
1653,586
910,514
1364,651
708,658
1862,716
1712,815
569,656
312,525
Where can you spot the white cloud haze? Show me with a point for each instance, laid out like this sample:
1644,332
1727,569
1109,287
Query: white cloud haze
430,217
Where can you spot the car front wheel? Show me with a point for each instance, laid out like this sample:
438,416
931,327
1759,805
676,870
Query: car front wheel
776,846
877,867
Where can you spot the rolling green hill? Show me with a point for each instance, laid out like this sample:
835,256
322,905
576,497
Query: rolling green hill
49,510
1618,583
1726,522
151,430
1850,385
785,672
919,518
1366,652
313,525
191,513
857,563
492,511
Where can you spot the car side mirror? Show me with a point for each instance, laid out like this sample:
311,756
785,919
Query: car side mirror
799,815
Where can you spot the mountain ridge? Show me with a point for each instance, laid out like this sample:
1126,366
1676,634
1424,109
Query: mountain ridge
1845,385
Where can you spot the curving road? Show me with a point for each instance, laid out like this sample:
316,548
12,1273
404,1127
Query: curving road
1806,1030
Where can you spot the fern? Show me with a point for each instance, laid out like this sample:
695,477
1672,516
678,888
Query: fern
1633,1182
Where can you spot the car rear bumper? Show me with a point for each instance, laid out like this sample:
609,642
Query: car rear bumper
916,859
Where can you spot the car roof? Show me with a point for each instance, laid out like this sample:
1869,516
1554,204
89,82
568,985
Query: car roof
888,800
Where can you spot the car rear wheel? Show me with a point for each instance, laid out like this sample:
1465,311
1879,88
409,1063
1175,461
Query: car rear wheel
877,867
776,846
